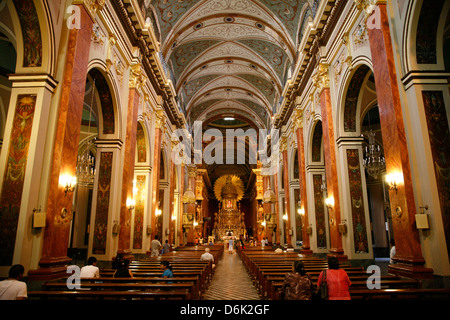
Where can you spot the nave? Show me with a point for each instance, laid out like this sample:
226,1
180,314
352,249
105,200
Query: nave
321,126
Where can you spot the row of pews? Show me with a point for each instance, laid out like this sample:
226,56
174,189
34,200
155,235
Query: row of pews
268,268
191,277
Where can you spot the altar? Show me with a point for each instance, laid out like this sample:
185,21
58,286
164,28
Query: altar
229,220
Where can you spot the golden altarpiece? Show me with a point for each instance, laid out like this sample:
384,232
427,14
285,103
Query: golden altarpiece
229,220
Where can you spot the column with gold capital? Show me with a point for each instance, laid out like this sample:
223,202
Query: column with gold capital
298,122
322,81
285,177
408,258
191,207
159,125
136,81
67,135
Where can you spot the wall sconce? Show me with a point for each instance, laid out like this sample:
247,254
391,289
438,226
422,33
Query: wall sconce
263,223
342,227
329,202
301,211
285,217
393,180
157,212
116,228
131,204
195,223
173,217
68,182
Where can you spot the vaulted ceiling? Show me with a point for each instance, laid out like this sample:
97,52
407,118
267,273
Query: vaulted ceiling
229,58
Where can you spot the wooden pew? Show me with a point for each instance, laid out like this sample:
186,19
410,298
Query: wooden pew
106,294
152,287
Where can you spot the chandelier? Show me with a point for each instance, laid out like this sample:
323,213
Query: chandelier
85,163
373,161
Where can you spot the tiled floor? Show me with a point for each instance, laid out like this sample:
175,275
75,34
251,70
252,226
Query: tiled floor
231,281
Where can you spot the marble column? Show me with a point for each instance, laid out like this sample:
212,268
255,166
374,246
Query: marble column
65,152
302,183
329,150
409,260
124,246
285,177
159,123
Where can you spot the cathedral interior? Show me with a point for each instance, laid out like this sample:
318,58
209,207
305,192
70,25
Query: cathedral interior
321,125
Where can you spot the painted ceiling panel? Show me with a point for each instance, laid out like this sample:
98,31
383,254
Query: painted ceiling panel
228,52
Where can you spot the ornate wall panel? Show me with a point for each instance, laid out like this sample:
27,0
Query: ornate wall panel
14,176
320,212
103,197
438,130
357,203
139,212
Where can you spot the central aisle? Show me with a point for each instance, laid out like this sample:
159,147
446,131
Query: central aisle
231,281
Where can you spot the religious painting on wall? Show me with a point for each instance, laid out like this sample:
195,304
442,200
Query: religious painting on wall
139,212
102,209
438,130
356,195
13,179
31,32
320,212
141,144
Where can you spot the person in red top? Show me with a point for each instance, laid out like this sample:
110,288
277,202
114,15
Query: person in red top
338,282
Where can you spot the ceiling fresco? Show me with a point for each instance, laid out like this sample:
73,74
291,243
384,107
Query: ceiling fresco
254,40
229,57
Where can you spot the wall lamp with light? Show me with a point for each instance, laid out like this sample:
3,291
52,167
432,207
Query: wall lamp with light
131,203
394,180
68,182
329,202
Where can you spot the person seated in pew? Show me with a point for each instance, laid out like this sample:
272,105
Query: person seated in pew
14,288
167,267
208,257
123,270
90,270
298,284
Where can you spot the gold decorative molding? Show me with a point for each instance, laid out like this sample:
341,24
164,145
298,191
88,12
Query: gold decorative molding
283,143
322,79
136,76
368,6
298,119
92,6
159,119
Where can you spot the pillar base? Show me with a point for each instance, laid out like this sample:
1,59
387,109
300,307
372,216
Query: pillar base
125,254
50,269
339,254
411,269
306,251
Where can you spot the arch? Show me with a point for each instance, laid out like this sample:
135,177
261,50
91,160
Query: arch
294,172
350,105
316,143
34,35
142,141
423,35
109,116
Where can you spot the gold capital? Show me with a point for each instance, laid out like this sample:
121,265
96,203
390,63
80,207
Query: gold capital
322,79
136,76
91,6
